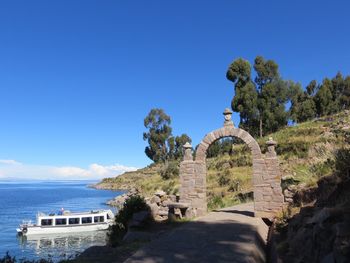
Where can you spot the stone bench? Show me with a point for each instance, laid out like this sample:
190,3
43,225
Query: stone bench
177,210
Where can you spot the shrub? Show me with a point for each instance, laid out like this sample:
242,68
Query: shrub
116,234
224,178
132,205
241,160
322,169
215,202
222,165
235,185
299,149
171,170
9,259
169,186
245,197
342,162
288,181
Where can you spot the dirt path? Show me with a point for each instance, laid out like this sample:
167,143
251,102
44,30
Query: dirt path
229,235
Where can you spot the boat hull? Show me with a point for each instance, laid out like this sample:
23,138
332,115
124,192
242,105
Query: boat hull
40,230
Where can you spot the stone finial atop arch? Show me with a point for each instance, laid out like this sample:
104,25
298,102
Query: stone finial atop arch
268,197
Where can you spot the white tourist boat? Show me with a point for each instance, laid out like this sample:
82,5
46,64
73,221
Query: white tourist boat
67,222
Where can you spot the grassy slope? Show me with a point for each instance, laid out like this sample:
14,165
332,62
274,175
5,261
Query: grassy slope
147,180
306,153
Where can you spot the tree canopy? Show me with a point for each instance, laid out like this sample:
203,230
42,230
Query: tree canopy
269,102
159,131
162,146
259,102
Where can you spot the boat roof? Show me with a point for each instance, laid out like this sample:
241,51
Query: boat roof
68,213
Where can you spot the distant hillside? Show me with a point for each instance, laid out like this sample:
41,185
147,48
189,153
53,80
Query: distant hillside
306,152
147,180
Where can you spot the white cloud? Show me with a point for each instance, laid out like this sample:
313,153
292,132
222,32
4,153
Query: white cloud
111,169
98,169
10,162
70,171
14,169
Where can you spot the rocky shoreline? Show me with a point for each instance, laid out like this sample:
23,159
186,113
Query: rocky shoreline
109,186
158,203
134,237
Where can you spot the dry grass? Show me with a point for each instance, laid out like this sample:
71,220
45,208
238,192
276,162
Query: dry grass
306,153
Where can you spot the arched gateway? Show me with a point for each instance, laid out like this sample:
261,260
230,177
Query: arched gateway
268,198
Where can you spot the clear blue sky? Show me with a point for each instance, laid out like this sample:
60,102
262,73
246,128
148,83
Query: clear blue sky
77,78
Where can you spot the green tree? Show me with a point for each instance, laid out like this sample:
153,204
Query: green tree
324,99
245,99
214,149
272,106
267,72
311,88
345,97
226,145
178,145
171,148
272,96
295,94
307,109
303,107
261,104
158,136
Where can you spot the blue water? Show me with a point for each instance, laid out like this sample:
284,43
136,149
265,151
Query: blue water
22,201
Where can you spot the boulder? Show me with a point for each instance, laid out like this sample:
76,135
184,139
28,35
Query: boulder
163,213
172,198
166,203
160,193
155,199
118,201
154,209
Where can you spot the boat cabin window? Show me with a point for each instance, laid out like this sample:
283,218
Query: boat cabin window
99,219
73,221
108,217
46,222
86,220
61,221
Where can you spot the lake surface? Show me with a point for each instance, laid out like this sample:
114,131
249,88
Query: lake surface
22,201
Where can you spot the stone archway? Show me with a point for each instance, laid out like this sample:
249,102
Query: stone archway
268,197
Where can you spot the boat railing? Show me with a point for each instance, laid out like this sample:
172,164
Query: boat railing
27,223
41,214
69,213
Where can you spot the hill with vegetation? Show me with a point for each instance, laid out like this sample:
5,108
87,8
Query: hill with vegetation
315,163
306,152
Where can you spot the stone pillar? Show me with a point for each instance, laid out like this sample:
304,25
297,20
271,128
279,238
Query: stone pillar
187,181
199,196
270,192
259,186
